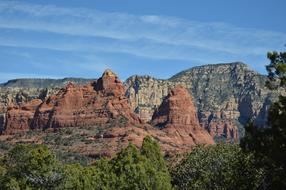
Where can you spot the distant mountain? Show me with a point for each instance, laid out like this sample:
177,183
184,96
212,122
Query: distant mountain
226,95
43,83
102,114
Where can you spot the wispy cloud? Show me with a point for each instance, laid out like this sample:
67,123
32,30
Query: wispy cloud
90,33
125,27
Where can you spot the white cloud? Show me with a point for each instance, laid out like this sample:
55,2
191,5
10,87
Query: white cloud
152,36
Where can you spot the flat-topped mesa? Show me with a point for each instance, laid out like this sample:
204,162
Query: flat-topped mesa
177,115
95,103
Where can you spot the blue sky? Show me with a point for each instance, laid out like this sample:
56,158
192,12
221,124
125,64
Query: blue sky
82,38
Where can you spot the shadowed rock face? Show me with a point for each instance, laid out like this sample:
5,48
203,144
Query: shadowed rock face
177,116
224,130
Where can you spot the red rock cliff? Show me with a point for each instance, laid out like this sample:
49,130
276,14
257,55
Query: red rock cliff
19,118
177,116
103,104
93,104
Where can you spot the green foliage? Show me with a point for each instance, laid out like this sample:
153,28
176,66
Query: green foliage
79,177
31,166
269,144
221,166
276,69
151,150
10,183
72,158
146,170
35,167
130,169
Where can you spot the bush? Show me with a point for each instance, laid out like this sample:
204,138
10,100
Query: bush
35,167
31,166
221,166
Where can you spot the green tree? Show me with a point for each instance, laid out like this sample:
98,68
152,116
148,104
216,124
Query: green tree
2,168
35,167
10,183
141,170
269,144
32,166
276,69
105,177
97,176
221,167
159,172
74,177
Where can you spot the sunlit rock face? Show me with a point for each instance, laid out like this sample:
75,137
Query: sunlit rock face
85,105
177,116
19,118
226,96
103,106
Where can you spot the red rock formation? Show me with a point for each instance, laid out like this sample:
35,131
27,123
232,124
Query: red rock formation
177,116
223,129
103,104
19,118
94,104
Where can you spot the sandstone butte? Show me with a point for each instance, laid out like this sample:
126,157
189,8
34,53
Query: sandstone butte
102,102
177,116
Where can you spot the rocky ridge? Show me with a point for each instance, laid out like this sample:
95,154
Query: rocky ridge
103,106
226,96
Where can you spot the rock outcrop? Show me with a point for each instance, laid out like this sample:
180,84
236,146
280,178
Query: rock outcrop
222,130
19,118
146,93
177,116
103,106
96,103
176,128
223,93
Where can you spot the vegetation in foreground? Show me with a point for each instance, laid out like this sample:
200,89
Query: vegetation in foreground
221,166
258,163
269,144
36,167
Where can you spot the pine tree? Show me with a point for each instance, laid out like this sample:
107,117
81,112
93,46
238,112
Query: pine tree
269,144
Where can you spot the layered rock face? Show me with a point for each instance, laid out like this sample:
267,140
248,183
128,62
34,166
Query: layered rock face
146,94
177,116
222,130
223,93
21,91
92,104
226,95
19,118
102,105
177,130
